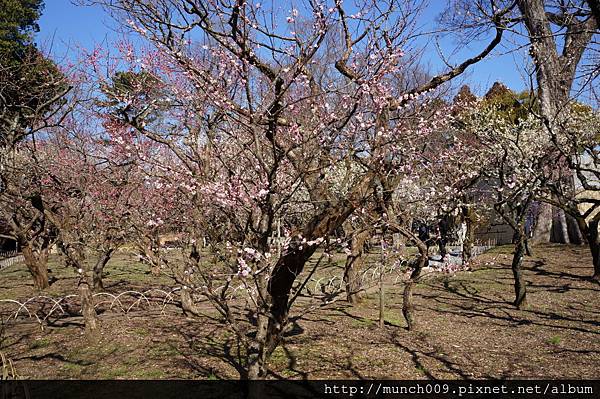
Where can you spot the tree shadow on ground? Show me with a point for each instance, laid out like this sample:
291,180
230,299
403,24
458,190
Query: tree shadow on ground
538,269
56,356
418,356
291,367
467,301
229,351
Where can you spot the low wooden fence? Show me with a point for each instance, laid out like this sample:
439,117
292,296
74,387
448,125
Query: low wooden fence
9,258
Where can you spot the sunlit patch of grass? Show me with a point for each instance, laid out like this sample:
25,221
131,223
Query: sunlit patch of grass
278,357
141,331
363,322
555,340
114,373
40,343
502,249
164,350
421,369
393,319
72,370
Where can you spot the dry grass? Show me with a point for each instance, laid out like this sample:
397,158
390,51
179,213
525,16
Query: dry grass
468,329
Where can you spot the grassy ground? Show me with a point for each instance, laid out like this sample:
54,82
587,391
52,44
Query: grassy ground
467,329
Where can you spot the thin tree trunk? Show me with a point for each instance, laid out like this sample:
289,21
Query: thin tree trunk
596,259
37,266
594,243
528,251
467,251
99,268
592,236
150,249
408,309
187,302
381,301
520,287
353,265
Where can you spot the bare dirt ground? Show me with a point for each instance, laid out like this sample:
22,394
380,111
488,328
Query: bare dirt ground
467,329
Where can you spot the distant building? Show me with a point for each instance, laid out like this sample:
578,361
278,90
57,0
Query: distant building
490,226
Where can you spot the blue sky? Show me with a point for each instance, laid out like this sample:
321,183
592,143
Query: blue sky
64,27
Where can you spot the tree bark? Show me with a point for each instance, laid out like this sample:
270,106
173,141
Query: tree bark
517,263
87,307
37,266
555,71
595,7
257,361
408,308
185,272
292,262
287,268
556,65
593,239
75,258
99,268
258,351
528,251
467,251
154,259
575,233
381,300
592,236
543,225
353,265
562,233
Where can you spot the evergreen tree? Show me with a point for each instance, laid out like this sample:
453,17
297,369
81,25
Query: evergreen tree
31,85
18,22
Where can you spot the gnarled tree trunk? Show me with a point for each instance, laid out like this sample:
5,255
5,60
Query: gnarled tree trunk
74,257
37,264
184,278
353,265
154,259
287,269
87,307
99,268
408,308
